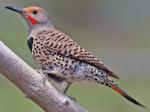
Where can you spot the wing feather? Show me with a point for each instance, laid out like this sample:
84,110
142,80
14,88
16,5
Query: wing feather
61,43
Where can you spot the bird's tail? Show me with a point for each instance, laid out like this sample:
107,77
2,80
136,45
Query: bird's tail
101,77
125,95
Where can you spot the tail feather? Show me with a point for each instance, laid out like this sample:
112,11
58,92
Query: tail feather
125,95
112,74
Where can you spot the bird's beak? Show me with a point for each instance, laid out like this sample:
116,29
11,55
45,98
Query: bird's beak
18,10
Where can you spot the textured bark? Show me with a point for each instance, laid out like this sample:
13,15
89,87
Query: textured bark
34,85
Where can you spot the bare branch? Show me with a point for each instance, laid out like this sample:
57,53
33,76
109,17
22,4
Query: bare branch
34,85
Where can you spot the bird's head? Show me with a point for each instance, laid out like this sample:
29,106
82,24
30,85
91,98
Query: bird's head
33,15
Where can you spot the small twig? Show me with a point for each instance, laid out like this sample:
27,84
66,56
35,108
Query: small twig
33,85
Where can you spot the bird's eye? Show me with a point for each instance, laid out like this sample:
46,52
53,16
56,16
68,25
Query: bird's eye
35,12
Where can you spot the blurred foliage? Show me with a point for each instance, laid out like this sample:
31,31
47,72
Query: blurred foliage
116,31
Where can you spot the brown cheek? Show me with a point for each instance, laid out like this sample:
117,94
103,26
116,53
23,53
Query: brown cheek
32,20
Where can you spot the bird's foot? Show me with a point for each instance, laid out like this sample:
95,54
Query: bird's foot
65,92
72,98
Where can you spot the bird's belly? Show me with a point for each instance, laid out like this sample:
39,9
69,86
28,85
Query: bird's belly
62,66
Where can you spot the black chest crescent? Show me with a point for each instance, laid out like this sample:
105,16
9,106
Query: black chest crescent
30,43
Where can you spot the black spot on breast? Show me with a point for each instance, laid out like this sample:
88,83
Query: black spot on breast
30,43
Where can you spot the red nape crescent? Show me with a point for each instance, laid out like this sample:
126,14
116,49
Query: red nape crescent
32,20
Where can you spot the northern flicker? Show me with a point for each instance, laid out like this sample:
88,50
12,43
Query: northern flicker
60,56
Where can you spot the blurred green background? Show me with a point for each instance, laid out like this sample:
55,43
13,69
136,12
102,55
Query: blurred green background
116,31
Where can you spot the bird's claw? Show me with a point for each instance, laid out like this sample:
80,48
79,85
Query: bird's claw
72,98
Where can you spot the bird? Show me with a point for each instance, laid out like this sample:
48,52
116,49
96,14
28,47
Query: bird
61,57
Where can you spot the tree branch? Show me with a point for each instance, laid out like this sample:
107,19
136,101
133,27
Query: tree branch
34,85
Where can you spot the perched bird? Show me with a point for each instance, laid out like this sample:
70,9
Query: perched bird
61,57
